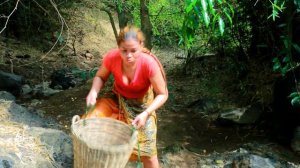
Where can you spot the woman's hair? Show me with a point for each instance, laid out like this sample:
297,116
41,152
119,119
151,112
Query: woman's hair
132,32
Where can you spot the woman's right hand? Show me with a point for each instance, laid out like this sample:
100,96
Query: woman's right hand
91,98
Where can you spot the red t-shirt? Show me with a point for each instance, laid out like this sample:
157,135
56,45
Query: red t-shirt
139,85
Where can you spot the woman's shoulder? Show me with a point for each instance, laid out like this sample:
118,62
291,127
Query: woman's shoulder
148,58
150,64
111,57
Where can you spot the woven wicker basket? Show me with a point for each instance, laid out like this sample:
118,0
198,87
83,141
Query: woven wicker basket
101,142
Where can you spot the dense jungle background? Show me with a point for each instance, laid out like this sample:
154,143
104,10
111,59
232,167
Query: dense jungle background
232,70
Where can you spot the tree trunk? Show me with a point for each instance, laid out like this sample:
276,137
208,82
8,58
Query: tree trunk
123,15
122,19
111,19
146,25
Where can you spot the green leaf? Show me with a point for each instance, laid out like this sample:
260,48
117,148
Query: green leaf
274,15
190,6
294,94
269,16
284,70
211,3
295,100
274,11
297,4
286,59
277,7
213,11
221,26
228,17
219,162
180,41
282,25
214,20
296,47
197,11
276,67
286,43
204,5
211,7
282,5
231,9
206,18
276,59
61,39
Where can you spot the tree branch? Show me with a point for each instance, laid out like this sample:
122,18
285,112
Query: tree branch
111,21
41,7
4,2
8,17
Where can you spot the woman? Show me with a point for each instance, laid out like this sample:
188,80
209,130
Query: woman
137,73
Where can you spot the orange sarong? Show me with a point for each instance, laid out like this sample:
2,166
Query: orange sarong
115,106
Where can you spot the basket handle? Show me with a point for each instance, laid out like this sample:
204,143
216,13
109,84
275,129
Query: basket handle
134,135
75,119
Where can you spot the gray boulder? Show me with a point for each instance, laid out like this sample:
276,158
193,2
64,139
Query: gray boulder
11,82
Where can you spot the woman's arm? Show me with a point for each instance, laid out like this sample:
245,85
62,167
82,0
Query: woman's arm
161,92
98,83
159,85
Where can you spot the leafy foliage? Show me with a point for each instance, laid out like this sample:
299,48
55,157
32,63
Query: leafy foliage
284,62
166,18
212,12
295,96
84,74
277,7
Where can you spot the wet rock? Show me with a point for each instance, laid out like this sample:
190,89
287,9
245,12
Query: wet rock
89,56
296,140
254,161
6,162
68,78
44,90
7,96
16,113
243,158
11,82
204,105
58,144
20,150
26,89
24,143
245,115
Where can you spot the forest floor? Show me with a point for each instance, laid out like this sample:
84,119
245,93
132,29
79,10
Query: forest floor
183,134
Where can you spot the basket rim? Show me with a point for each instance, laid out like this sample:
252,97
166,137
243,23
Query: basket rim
110,148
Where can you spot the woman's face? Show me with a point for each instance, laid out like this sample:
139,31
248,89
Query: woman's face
130,51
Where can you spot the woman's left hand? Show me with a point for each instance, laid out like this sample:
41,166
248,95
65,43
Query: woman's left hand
140,120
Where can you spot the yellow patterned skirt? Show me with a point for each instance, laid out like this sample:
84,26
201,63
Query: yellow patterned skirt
115,106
